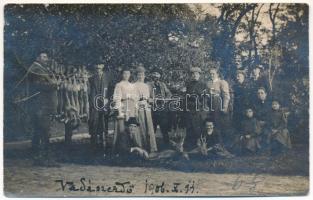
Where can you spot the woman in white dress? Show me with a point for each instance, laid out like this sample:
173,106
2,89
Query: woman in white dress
125,99
144,111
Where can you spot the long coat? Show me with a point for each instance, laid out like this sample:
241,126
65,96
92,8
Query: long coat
100,86
241,102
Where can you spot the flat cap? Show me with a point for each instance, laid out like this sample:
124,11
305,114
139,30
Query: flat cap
99,66
195,69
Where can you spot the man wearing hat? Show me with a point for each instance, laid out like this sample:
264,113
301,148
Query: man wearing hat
130,142
43,103
99,95
160,93
195,115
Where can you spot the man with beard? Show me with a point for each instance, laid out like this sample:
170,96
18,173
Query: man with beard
43,104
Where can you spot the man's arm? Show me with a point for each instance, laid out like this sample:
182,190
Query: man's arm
168,93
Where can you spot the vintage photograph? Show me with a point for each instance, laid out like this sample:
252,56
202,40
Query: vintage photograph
169,100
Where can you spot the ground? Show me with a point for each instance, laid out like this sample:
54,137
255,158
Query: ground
286,174
21,179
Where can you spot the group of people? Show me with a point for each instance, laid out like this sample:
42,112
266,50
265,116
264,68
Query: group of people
208,110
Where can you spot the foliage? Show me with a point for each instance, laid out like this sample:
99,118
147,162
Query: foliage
171,37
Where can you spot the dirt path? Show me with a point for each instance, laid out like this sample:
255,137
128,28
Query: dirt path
22,179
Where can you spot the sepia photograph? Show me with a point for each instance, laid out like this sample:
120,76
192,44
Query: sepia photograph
156,100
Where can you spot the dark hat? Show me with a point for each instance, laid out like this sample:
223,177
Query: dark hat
209,119
132,120
156,72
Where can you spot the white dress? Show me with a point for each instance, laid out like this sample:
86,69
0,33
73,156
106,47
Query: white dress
125,98
144,117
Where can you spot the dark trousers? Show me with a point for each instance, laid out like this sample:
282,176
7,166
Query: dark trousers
194,128
69,128
41,122
99,131
161,118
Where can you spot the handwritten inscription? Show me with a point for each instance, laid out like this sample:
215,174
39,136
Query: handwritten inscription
86,185
159,188
251,183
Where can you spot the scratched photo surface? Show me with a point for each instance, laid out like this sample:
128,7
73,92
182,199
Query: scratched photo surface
156,100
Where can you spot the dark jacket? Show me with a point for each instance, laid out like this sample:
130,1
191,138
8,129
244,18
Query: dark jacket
40,78
277,120
213,139
262,109
195,91
159,90
241,97
250,126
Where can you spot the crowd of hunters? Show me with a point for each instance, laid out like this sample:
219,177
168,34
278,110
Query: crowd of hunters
209,119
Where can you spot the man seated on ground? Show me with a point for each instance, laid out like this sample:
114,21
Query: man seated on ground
129,144
210,144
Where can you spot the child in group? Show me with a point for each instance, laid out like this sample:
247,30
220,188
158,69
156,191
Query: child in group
71,123
250,134
278,136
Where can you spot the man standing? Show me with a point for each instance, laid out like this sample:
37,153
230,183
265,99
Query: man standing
194,101
218,102
160,93
43,105
99,96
